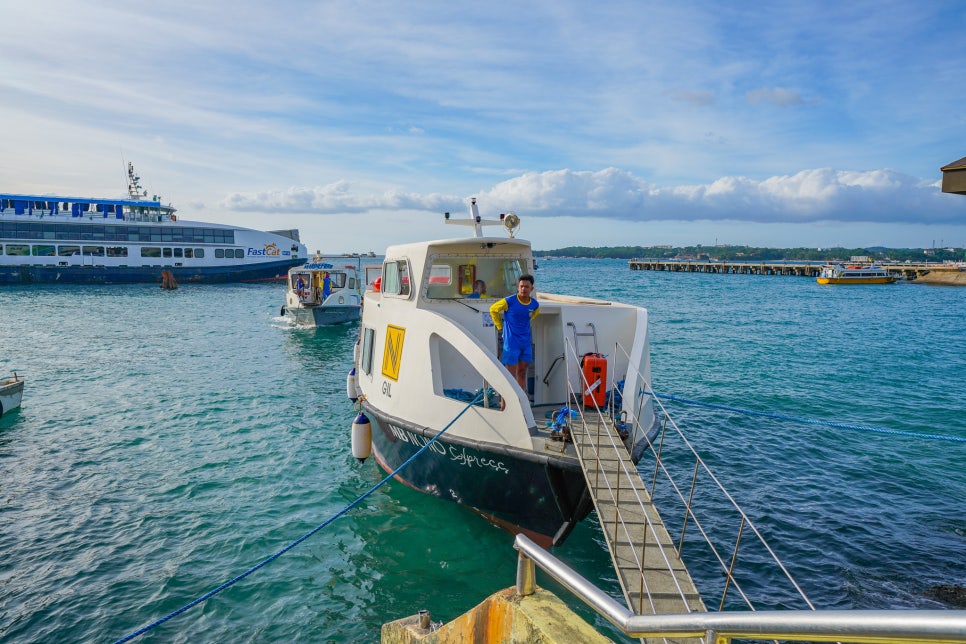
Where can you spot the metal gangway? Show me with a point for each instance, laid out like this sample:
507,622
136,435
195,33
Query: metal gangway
662,602
651,573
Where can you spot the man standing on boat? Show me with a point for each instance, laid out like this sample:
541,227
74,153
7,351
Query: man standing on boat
512,316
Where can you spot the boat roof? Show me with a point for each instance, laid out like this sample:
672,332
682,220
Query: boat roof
457,244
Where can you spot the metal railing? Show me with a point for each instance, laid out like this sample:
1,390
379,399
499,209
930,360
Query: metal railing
861,626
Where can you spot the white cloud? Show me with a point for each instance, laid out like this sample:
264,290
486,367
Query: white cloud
883,196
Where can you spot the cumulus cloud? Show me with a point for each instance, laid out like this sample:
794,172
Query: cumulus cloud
337,198
881,196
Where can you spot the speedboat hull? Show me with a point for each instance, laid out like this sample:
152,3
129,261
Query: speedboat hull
11,393
489,479
324,315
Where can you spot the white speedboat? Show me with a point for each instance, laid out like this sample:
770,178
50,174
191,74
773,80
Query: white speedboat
11,393
321,294
854,274
48,239
427,346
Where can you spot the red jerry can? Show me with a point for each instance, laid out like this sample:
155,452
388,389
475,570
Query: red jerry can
594,366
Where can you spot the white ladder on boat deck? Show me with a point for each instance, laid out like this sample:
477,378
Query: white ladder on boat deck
584,334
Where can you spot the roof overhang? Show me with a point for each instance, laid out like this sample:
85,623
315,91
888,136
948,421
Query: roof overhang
954,177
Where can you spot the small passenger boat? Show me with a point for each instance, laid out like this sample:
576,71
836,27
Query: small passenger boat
11,393
428,347
854,274
83,240
321,294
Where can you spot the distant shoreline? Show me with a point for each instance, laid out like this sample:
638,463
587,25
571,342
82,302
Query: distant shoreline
759,254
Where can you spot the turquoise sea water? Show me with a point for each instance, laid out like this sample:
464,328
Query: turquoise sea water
168,441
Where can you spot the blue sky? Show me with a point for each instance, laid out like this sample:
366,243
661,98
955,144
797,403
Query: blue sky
605,123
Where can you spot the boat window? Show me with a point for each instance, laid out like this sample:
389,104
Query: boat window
18,249
67,251
441,281
337,280
178,252
166,252
117,251
150,251
395,278
43,251
94,251
188,253
199,253
368,339
219,253
498,273
457,377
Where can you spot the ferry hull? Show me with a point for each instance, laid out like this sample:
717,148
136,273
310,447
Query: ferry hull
265,271
540,495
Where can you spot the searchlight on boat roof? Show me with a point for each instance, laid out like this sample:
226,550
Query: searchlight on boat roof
510,221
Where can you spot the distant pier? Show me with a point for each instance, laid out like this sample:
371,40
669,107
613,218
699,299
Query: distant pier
800,269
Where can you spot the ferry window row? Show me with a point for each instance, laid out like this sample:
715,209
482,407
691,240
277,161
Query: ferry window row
84,232
77,208
69,250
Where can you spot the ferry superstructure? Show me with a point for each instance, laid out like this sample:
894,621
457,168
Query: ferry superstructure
48,239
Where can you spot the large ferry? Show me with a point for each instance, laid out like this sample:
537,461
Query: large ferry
46,239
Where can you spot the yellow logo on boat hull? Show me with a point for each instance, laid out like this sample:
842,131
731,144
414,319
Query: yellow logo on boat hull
392,356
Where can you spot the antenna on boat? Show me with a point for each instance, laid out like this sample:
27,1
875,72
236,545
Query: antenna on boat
134,183
509,220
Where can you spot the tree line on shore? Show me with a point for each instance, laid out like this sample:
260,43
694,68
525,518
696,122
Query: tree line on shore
753,253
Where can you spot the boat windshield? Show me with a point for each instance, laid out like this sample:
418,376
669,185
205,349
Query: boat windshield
455,277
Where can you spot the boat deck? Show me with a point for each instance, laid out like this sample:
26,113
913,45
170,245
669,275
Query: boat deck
652,575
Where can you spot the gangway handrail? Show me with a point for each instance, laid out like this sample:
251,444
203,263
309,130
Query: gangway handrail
638,382
860,626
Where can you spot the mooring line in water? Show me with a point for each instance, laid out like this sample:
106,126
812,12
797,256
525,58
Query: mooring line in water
751,412
268,560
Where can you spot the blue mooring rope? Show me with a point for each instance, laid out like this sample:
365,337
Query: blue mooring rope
877,430
268,560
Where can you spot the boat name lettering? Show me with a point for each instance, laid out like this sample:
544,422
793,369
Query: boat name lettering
408,437
469,460
318,265
387,388
269,250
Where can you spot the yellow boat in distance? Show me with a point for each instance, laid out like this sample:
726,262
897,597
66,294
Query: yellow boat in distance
854,274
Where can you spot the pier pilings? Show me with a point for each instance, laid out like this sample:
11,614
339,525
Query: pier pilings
909,272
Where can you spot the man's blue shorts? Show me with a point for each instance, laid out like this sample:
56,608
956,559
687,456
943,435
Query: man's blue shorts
512,354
